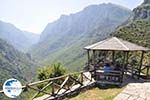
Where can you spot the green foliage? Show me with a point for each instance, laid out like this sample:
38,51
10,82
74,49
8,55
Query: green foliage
51,71
144,6
137,31
14,64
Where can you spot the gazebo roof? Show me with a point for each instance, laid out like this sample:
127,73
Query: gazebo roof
115,43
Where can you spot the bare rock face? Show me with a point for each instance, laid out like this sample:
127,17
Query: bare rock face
142,11
146,1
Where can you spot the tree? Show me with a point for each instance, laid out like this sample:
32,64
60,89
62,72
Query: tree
51,71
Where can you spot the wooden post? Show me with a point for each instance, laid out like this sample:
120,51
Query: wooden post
124,56
147,72
88,54
141,62
53,91
132,68
94,61
127,57
82,77
113,56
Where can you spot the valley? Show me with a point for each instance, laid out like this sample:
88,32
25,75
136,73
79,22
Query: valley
23,53
63,40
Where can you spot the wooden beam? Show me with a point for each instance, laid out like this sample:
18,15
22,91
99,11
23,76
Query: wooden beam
132,75
63,84
41,90
147,72
50,79
124,57
65,81
81,77
87,77
1,91
94,64
94,57
141,62
113,56
132,71
53,90
75,80
57,85
46,80
127,58
88,54
38,90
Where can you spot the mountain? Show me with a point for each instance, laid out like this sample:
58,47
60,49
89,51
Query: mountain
32,37
137,30
63,40
19,39
146,2
14,64
142,11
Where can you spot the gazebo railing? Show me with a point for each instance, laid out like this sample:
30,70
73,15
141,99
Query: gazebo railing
145,72
135,71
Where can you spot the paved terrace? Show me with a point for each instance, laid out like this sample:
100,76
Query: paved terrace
135,91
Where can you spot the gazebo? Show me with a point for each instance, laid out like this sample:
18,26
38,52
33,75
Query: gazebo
114,45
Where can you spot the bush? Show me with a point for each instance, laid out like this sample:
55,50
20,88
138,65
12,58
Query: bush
51,71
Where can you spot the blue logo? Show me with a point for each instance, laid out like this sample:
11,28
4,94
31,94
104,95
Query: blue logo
12,88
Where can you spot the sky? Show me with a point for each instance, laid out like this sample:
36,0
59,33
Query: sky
34,15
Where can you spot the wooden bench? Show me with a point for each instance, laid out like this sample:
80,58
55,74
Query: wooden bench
112,77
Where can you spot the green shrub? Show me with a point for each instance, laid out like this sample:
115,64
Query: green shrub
51,71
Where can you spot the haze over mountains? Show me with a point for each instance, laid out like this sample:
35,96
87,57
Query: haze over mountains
64,39
21,40
14,64
61,41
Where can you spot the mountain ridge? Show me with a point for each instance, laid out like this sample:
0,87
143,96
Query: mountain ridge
16,37
63,40
14,63
146,2
86,10
137,29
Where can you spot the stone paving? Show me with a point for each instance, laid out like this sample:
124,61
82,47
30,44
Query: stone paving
135,91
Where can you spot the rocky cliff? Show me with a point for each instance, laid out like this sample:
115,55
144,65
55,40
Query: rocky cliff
146,1
142,11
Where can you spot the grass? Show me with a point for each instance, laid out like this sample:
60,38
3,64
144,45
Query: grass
98,94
